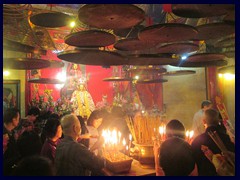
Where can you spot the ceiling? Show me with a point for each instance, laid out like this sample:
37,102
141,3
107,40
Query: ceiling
17,26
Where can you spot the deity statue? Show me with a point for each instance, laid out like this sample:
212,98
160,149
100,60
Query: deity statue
82,101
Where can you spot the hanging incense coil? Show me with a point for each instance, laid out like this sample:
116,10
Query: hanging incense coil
111,16
90,38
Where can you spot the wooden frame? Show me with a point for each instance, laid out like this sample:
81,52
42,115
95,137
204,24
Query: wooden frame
11,94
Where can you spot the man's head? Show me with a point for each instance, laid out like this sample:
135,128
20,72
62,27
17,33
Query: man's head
33,113
206,105
176,157
211,117
175,128
11,116
71,126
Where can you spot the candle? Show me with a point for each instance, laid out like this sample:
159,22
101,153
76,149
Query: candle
162,130
124,144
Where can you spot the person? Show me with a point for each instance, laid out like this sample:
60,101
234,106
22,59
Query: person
85,136
175,128
53,132
73,158
11,154
176,157
93,123
29,143
28,123
211,120
198,126
82,101
34,166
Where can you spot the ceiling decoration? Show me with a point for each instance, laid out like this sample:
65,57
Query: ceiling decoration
51,19
226,42
133,44
117,79
111,16
93,57
90,38
151,59
201,10
164,33
45,81
25,63
142,34
178,73
150,81
19,47
214,30
177,48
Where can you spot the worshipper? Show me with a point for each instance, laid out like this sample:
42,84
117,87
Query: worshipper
211,121
34,166
176,158
28,123
73,158
53,132
175,128
198,126
10,152
93,123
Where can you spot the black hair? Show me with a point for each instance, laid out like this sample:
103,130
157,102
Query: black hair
34,111
205,103
34,166
96,114
29,143
176,157
9,114
175,128
51,127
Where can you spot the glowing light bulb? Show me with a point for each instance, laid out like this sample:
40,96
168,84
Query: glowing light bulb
72,24
6,73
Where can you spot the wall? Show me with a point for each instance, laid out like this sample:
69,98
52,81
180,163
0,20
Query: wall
17,75
183,95
228,93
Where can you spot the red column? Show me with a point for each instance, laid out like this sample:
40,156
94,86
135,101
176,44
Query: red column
212,85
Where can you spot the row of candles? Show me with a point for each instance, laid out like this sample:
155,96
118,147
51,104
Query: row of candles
161,135
113,141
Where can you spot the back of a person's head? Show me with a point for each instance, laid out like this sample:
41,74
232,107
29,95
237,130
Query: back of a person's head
34,111
96,114
67,123
9,114
29,143
175,128
34,166
205,103
176,157
212,117
51,127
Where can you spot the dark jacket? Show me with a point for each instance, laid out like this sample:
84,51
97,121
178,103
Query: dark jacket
205,167
74,159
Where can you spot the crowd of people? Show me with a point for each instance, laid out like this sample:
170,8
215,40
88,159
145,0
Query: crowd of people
44,144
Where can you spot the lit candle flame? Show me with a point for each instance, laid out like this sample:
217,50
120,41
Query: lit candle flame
130,137
124,142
